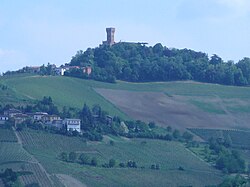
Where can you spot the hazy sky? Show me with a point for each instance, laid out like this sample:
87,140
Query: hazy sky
35,32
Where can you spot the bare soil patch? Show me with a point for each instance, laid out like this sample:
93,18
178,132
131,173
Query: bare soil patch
69,181
175,111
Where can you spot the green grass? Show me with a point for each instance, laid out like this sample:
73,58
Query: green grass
170,155
64,91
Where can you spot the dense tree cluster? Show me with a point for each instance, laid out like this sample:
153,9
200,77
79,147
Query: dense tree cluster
9,177
139,63
229,161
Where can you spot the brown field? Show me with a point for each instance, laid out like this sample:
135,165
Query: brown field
175,110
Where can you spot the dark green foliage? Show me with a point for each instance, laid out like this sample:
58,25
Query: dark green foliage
72,156
122,165
139,63
152,125
64,156
111,142
181,168
9,177
236,181
176,134
84,159
112,163
45,105
131,164
230,162
94,161
187,136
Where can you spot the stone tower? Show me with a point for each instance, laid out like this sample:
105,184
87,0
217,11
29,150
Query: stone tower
110,36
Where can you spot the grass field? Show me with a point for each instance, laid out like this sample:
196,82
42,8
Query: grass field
170,156
64,91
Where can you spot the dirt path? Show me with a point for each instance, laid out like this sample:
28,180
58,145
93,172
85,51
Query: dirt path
69,181
34,160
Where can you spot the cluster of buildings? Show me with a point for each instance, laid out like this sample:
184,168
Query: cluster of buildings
43,117
58,70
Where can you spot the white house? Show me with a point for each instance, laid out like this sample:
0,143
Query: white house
60,71
73,124
3,119
39,115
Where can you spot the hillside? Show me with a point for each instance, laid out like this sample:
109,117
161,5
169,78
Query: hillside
178,104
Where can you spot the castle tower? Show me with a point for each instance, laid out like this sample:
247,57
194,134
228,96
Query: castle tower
110,36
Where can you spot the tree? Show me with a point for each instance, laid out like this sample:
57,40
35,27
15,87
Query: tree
72,156
94,161
187,136
84,159
112,163
151,125
228,141
64,156
215,59
176,134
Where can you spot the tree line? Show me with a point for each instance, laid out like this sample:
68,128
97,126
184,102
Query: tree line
139,63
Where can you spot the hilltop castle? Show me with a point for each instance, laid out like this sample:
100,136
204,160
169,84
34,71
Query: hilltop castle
110,36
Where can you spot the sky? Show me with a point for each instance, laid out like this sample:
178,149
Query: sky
35,32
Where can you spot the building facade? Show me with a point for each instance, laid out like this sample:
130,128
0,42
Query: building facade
73,124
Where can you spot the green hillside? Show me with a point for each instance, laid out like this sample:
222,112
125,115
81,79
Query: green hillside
176,101
169,155
200,98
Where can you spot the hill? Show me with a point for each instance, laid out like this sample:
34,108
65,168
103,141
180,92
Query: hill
178,104
136,62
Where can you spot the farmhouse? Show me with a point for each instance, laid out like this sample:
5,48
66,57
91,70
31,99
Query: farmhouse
50,118
73,124
60,71
12,112
3,119
39,115
19,118
87,70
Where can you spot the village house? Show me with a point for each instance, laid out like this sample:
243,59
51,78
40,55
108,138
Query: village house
12,112
33,69
87,70
39,115
50,118
20,118
60,71
3,119
72,124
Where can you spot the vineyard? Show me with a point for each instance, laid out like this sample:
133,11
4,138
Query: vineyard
38,176
240,139
55,142
169,155
13,152
7,135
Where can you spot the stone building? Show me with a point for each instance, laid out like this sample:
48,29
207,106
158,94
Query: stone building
110,36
